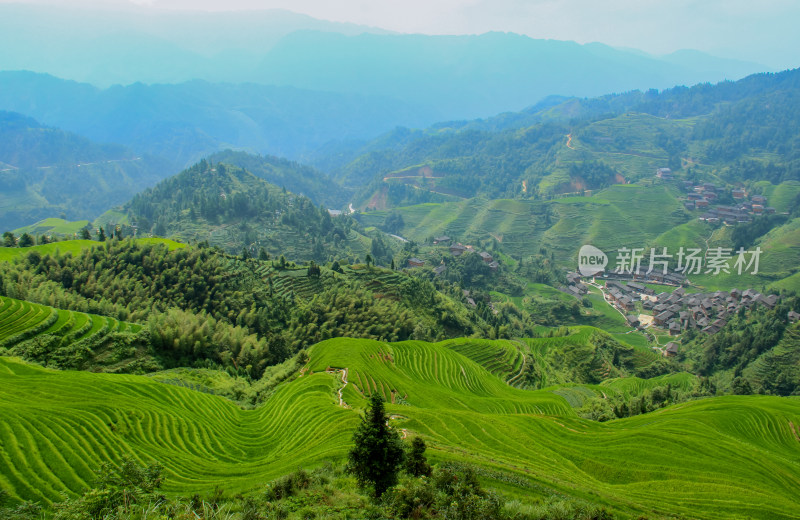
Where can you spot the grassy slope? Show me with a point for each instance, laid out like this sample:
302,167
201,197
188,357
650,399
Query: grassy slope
724,457
54,226
73,331
621,215
75,247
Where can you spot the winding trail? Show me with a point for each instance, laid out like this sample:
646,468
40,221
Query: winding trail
569,141
343,373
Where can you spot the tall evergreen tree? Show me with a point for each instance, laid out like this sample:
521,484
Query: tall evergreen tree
416,462
9,240
378,454
25,240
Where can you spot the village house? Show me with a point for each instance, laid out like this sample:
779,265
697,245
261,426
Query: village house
441,240
664,173
486,257
758,199
737,193
674,328
415,262
494,266
457,249
671,349
626,302
439,269
636,287
662,318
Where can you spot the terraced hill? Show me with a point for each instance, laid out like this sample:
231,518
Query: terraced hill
76,246
727,457
621,215
69,339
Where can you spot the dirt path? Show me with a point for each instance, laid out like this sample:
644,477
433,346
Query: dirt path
343,374
569,142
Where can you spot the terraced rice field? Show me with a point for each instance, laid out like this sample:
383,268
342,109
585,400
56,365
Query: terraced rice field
21,320
726,457
618,216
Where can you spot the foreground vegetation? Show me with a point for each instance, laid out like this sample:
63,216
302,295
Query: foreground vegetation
705,458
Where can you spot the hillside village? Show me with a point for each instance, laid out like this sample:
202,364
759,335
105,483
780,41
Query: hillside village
674,312
709,197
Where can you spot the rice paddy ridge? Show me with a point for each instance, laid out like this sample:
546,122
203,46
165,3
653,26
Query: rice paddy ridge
22,320
722,457
57,428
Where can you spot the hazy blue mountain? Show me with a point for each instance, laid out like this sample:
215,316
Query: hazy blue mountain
478,76
453,77
46,172
104,46
187,121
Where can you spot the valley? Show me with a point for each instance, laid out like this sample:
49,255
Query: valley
257,265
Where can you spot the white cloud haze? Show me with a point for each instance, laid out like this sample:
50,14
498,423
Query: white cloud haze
764,31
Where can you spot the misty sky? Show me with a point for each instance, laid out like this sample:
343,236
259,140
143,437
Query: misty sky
764,31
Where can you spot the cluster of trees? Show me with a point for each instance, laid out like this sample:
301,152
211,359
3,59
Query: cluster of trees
472,162
102,234
250,213
745,234
759,346
610,407
205,308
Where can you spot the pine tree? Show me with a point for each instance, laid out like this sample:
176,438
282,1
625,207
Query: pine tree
416,462
378,454
101,234
25,240
9,240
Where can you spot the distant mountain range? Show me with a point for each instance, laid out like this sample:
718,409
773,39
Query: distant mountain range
187,121
451,77
46,172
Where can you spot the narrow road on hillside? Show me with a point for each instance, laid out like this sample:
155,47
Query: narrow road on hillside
341,390
569,142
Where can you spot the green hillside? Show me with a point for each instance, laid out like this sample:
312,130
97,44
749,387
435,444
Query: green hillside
76,246
47,172
69,339
709,132
712,458
620,216
231,208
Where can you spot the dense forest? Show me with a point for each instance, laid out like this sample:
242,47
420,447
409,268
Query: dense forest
231,208
734,124
205,308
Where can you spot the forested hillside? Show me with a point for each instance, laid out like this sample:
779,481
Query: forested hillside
47,172
732,132
295,177
234,209
205,307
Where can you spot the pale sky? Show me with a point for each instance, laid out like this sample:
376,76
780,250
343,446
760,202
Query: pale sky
764,31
